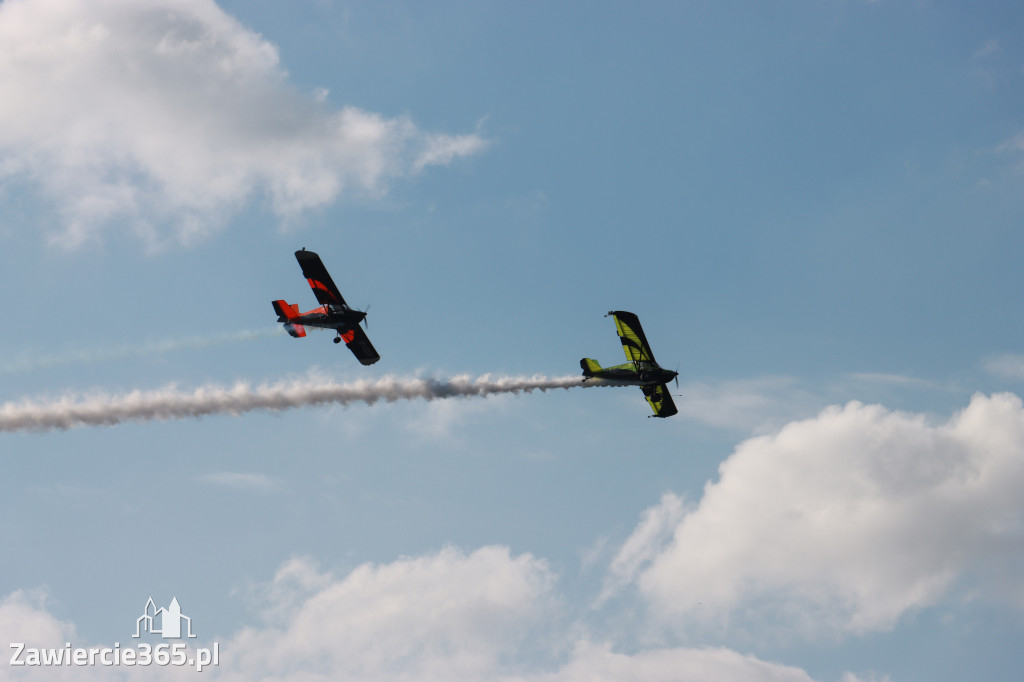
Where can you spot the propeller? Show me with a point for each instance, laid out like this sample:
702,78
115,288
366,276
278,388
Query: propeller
366,318
677,375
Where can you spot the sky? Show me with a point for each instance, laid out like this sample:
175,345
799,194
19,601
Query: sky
814,207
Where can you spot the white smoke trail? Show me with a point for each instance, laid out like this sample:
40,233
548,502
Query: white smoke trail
32,361
100,409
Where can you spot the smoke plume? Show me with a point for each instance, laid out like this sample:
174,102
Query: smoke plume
103,409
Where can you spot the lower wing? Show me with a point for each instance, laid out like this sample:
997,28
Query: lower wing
660,400
360,345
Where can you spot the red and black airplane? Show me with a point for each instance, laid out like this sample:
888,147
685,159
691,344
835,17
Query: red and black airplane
333,312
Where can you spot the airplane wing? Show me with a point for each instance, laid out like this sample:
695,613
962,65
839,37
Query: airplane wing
324,288
661,401
631,334
359,343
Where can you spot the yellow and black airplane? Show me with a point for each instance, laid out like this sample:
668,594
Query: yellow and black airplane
641,370
333,312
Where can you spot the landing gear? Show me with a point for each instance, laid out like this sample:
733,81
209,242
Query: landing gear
337,339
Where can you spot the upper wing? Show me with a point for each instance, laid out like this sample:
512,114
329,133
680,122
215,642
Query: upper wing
360,345
632,336
661,401
319,279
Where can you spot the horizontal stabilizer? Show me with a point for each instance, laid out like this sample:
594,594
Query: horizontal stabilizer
296,330
285,313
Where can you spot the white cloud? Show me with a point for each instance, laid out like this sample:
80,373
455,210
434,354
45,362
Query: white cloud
593,663
844,522
751,405
1007,365
871,677
988,48
170,115
443,149
451,615
645,543
438,419
242,481
295,581
445,616
892,380
25,618
1013,144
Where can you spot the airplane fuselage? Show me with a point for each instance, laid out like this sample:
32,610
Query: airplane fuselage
330,316
648,374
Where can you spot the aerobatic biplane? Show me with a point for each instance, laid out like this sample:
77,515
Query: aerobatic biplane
641,370
333,312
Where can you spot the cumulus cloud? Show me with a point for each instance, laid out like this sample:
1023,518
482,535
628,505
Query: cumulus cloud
844,522
450,615
169,115
25,618
294,582
599,663
645,543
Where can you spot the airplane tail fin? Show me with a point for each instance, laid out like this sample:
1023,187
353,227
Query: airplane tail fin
287,312
590,366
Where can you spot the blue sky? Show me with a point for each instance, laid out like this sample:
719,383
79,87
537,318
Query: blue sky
814,208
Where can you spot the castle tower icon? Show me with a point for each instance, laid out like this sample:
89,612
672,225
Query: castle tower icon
169,619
